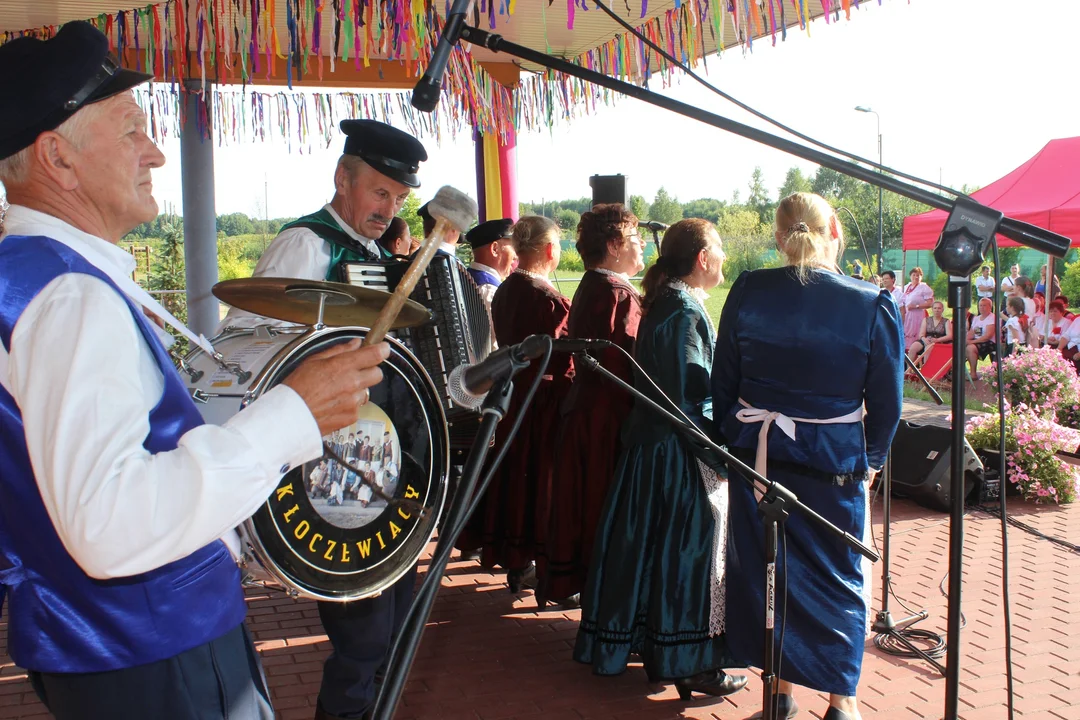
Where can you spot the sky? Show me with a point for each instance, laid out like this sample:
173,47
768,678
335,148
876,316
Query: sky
967,90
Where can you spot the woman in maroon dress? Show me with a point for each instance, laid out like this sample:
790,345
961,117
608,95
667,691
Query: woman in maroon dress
606,307
517,499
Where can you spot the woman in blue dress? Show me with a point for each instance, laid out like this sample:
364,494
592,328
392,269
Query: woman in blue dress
801,351
655,584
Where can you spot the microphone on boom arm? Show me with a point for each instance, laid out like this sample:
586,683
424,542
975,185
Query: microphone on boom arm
468,384
656,228
426,93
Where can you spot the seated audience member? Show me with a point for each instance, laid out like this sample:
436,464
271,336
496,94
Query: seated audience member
1054,325
981,337
1016,327
1069,340
1065,303
935,329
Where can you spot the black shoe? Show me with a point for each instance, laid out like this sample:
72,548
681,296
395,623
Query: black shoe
525,578
714,682
468,555
571,603
786,708
836,714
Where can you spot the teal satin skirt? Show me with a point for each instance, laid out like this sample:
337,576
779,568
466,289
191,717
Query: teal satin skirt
648,589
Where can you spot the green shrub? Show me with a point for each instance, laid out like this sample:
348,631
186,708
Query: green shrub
1070,282
571,260
231,261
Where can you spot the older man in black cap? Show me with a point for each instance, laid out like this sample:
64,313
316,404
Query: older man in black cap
374,176
117,502
493,255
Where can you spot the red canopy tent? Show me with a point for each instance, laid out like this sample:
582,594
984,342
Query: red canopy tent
1044,191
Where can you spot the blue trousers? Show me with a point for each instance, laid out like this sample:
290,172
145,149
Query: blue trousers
362,634
221,679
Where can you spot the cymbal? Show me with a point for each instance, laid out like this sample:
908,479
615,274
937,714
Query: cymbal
296,300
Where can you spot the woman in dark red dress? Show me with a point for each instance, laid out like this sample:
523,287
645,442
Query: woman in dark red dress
517,499
606,307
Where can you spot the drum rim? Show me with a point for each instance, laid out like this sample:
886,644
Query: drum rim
253,543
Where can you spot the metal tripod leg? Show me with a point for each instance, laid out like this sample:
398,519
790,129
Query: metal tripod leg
884,625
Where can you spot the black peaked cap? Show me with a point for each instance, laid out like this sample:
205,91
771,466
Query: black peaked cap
394,153
488,232
44,82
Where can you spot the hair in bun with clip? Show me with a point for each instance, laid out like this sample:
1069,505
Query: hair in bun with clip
806,240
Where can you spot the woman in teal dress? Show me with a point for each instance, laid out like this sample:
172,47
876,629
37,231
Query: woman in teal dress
655,584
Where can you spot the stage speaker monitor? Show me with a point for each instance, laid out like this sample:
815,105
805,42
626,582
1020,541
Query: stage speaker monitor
921,465
609,189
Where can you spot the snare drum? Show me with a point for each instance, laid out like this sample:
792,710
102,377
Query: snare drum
323,533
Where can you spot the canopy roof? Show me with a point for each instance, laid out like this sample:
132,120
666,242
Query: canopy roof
404,30
1044,191
385,44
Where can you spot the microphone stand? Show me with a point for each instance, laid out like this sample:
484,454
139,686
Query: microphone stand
969,230
884,624
775,506
403,653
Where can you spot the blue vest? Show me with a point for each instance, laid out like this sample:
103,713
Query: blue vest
482,277
62,620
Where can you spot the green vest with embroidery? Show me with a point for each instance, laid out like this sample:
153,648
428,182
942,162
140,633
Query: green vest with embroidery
344,248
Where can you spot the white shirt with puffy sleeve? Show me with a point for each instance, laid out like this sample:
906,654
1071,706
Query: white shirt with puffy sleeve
85,381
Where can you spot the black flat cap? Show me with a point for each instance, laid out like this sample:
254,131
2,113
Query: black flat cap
422,212
44,82
488,232
394,153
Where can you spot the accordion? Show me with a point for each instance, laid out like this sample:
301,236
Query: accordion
459,333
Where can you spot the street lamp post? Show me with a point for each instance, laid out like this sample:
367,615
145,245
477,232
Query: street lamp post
880,235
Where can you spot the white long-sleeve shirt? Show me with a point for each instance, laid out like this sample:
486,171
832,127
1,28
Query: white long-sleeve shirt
295,253
85,381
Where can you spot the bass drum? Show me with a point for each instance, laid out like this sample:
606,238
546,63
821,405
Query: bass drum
325,533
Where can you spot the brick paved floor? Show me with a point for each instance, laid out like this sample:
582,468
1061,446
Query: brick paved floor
488,654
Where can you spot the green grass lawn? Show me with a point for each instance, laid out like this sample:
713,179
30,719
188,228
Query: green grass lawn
566,282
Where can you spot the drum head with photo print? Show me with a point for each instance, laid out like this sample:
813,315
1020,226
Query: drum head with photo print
349,524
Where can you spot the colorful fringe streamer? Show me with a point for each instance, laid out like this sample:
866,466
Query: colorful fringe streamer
235,42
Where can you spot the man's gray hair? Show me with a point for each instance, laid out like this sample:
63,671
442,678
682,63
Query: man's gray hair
352,165
15,169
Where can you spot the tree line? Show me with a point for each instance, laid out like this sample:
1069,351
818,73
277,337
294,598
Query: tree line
747,224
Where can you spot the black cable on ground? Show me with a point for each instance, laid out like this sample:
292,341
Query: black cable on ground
996,512
934,643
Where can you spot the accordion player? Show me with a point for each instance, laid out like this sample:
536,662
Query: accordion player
459,333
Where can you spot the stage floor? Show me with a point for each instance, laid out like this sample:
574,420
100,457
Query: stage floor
488,654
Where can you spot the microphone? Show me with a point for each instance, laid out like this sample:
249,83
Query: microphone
469,384
426,93
654,226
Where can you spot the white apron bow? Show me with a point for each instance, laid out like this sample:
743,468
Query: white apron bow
750,414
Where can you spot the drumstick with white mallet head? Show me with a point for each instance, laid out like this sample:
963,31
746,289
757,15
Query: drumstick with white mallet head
452,210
